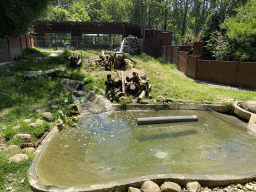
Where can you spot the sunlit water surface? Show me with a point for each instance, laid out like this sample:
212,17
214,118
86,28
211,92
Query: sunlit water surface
111,146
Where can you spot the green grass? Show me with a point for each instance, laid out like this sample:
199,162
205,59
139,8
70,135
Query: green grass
172,85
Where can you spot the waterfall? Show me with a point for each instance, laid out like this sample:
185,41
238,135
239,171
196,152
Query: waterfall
121,47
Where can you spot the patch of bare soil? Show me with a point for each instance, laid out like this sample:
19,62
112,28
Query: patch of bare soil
127,73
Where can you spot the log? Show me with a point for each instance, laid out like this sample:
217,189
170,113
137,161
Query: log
123,88
126,57
166,119
143,93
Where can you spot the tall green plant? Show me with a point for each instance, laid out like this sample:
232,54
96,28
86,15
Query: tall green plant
218,46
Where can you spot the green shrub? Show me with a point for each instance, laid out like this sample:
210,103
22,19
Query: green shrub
39,131
9,133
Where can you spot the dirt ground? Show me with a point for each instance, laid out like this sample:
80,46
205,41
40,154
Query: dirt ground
127,72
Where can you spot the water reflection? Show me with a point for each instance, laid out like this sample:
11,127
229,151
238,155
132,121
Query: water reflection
167,135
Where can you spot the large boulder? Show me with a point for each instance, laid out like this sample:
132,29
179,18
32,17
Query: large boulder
18,158
193,187
150,186
170,187
248,106
23,136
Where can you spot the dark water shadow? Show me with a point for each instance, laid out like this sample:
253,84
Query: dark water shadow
167,135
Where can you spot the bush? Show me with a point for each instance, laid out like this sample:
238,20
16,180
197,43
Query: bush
219,46
9,133
241,31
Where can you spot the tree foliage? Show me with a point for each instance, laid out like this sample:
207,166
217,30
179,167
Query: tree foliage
17,16
241,30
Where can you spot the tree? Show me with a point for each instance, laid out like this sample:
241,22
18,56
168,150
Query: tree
241,30
77,12
18,16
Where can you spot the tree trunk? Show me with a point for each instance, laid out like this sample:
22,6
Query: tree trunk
184,19
165,15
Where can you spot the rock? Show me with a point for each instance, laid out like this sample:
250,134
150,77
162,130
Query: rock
248,106
31,115
39,121
132,189
72,107
54,101
249,187
23,136
9,188
54,106
27,120
60,126
25,145
144,101
150,186
143,76
47,115
193,187
239,186
12,148
122,98
33,125
170,187
39,110
16,127
229,100
78,93
161,98
2,146
29,150
18,158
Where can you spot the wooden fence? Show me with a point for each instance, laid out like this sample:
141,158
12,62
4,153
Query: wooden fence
234,73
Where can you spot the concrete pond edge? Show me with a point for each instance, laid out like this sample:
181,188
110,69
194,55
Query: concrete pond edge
123,185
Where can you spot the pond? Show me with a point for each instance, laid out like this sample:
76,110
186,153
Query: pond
111,146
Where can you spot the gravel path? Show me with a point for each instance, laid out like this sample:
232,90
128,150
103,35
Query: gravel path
211,84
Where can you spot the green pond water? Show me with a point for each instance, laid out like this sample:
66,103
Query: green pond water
111,146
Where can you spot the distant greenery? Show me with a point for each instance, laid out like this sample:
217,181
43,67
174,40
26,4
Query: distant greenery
241,30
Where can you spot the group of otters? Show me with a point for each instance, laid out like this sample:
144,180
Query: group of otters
135,86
